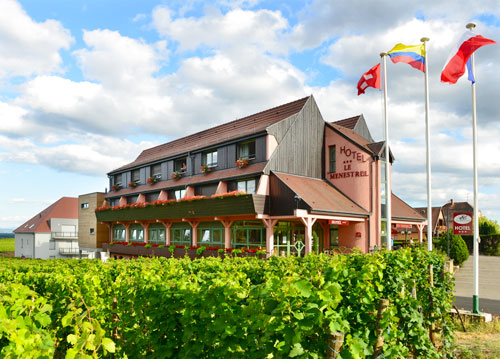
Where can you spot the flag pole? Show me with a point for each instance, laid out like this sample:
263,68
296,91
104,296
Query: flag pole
475,221
388,192
428,147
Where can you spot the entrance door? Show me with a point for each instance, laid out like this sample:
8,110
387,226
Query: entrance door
289,239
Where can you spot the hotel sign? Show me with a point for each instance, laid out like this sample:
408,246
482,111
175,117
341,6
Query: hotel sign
403,225
338,222
462,224
348,171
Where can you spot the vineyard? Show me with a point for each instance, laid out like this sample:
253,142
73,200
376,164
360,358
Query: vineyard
231,308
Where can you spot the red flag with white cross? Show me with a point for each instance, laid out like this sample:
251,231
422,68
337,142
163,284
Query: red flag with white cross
371,78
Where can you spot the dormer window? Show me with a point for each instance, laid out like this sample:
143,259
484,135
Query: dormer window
210,158
246,149
180,165
156,171
136,176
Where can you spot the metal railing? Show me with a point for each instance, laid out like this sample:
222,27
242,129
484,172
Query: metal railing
64,235
71,252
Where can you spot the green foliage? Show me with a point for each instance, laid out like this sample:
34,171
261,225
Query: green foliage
24,323
488,226
240,307
458,248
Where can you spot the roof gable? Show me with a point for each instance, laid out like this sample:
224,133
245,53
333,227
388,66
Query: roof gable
402,210
66,207
228,131
356,124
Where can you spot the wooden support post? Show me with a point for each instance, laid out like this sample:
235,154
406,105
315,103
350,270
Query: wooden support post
269,223
379,344
335,342
227,223
308,224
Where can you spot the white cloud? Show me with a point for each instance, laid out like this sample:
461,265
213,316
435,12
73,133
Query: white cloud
29,47
235,29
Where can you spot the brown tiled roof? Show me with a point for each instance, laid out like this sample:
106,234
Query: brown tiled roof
320,195
458,207
349,123
243,127
249,170
66,207
401,210
434,217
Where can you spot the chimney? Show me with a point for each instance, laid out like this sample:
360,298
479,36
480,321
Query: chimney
452,202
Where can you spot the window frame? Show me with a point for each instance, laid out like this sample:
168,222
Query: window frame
205,156
132,237
242,226
122,229
182,161
156,174
332,157
135,175
182,192
250,155
246,185
181,231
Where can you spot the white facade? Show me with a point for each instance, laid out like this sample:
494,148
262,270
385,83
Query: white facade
61,242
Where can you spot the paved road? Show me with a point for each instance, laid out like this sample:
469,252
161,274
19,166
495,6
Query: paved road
489,285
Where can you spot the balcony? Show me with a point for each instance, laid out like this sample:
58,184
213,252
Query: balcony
64,235
71,252
208,207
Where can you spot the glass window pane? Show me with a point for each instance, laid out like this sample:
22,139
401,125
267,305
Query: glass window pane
254,236
242,186
205,236
251,186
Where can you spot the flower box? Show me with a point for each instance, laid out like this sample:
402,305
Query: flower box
132,184
205,169
115,187
241,162
176,175
151,180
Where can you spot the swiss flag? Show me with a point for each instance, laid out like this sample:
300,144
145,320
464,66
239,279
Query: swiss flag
371,78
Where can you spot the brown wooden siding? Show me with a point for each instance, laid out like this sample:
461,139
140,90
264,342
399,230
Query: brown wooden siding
300,143
282,198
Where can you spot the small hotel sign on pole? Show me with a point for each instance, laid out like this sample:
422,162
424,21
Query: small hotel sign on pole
462,224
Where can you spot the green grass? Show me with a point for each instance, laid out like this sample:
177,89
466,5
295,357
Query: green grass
481,341
6,244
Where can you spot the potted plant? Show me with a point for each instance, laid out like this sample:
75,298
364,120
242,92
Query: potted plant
205,169
115,187
132,184
176,175
241,162
151,180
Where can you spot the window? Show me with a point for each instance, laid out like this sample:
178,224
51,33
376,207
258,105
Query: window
180,165
156,234
247,185
118,233
118,180
248,234
136,233
92,231
136,176
156,171
114,202
211,237
153,196
210,158
52,244
84,205
132,199
181,236
179,193
332,153
246,149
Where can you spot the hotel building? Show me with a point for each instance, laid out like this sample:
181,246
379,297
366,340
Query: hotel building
310,185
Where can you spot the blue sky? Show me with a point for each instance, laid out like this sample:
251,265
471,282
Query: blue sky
86,85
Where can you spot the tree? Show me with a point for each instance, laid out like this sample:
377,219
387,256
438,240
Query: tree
458,248
488,226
